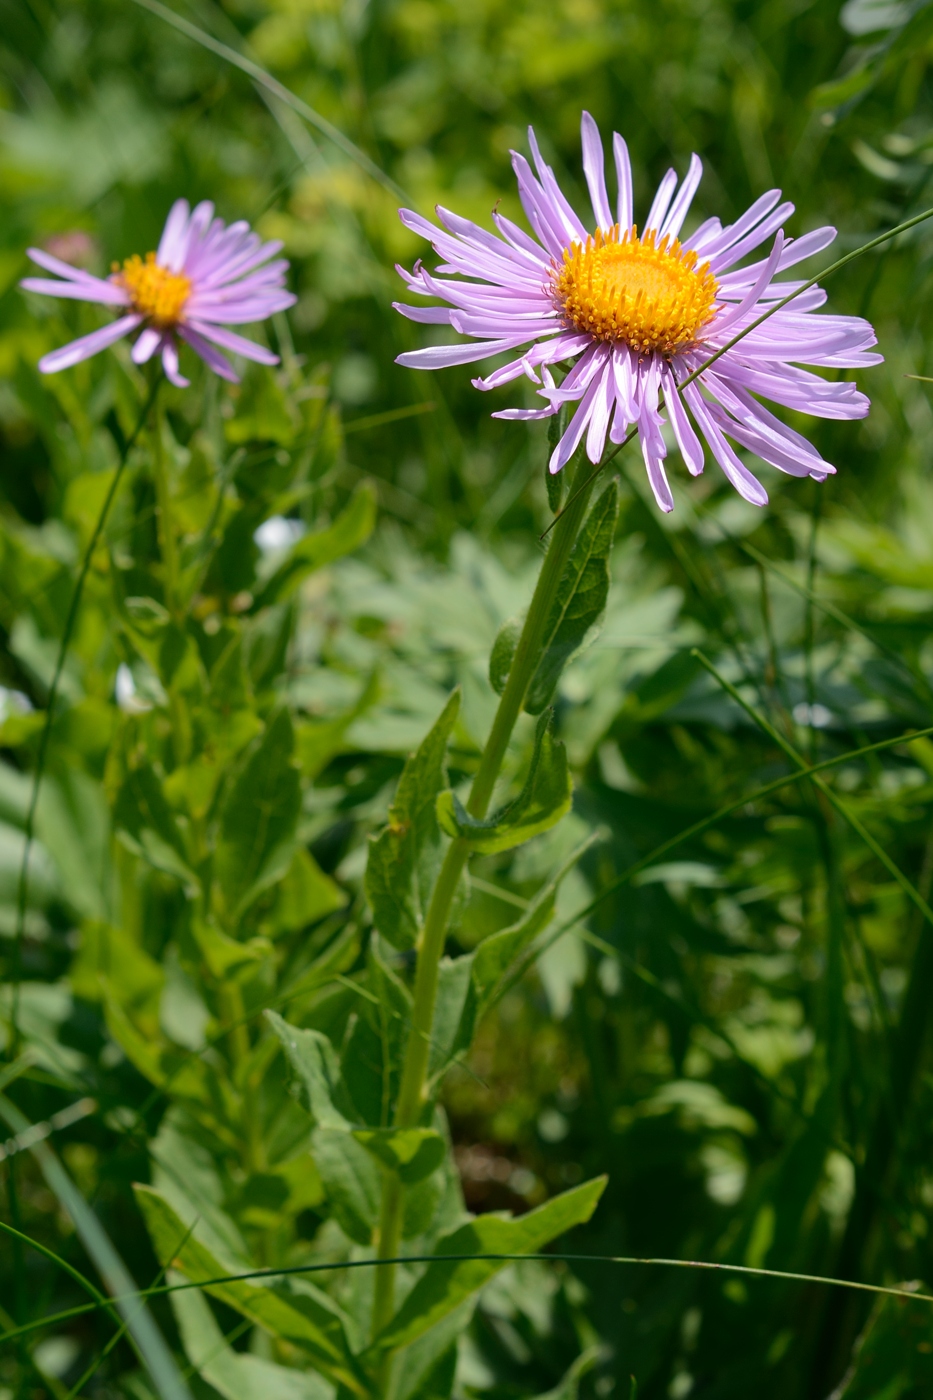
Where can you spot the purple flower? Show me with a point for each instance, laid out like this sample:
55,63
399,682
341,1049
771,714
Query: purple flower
205,276
638,315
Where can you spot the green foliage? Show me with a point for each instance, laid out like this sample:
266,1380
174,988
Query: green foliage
738,1035
546,795
402,860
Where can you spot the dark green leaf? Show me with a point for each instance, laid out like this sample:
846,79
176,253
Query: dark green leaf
352,1181
543,800
317,1070
503,649
403,857
259,818
298,1314
412,1153
447,1283
580,601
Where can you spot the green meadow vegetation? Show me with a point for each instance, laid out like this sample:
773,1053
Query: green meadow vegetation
628,1105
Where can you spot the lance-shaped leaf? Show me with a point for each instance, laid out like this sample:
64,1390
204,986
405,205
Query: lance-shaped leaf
295,1311
259,818
581,598
317,1072
351,1180
545,797
578,606
447,1282
352,528
412,1153
403,858
147,824
236,1375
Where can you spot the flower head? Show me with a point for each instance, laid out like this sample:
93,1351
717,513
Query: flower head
639,315
204,277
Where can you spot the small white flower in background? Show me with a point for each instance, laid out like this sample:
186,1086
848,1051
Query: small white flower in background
278,533
126,694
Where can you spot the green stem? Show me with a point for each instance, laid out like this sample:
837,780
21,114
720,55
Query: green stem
413,1089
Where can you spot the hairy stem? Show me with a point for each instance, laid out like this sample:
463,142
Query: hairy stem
413,1088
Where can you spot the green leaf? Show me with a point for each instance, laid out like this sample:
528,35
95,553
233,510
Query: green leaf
305,895
503,649
545,797
297,1312
580,601
412,1153
147,825
446,1283
236,1375
498,953
454,1013
259,819
351,1179
403,857
317,1069
351,529
431,1361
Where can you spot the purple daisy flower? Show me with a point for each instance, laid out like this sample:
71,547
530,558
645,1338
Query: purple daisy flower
638,314
204,277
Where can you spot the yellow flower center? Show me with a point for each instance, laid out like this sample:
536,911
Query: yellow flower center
156,292
649,294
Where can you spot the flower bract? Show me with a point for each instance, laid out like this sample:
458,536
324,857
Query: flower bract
638,314
204,277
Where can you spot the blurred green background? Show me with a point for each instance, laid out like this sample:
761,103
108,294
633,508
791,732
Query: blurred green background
739,1036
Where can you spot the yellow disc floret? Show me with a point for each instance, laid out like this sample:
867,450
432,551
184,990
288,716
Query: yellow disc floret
156,292
646,293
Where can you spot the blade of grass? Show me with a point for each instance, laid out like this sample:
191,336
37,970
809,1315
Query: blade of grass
911,891
146,1337
277,89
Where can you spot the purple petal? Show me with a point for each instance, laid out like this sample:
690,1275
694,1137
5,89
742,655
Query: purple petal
88,345
661,202
626,206
237,344
171,244
594,168
146,345
92,290
691,449
736,473
170,364
442,356
681,206
211,357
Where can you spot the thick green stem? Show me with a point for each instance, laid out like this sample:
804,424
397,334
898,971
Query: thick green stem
413,1088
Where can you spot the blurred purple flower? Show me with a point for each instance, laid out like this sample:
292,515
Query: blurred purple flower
205,276
638,315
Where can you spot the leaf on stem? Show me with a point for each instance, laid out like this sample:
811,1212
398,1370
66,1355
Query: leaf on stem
259,819
403,857
543,800
446,1283
412,1153
297,1312
575,612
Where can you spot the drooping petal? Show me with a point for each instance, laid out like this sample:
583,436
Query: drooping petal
237,344
87,345
170,364
147,343
211,356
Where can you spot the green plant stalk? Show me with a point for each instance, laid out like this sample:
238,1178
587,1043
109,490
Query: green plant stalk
411,1098
168,547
